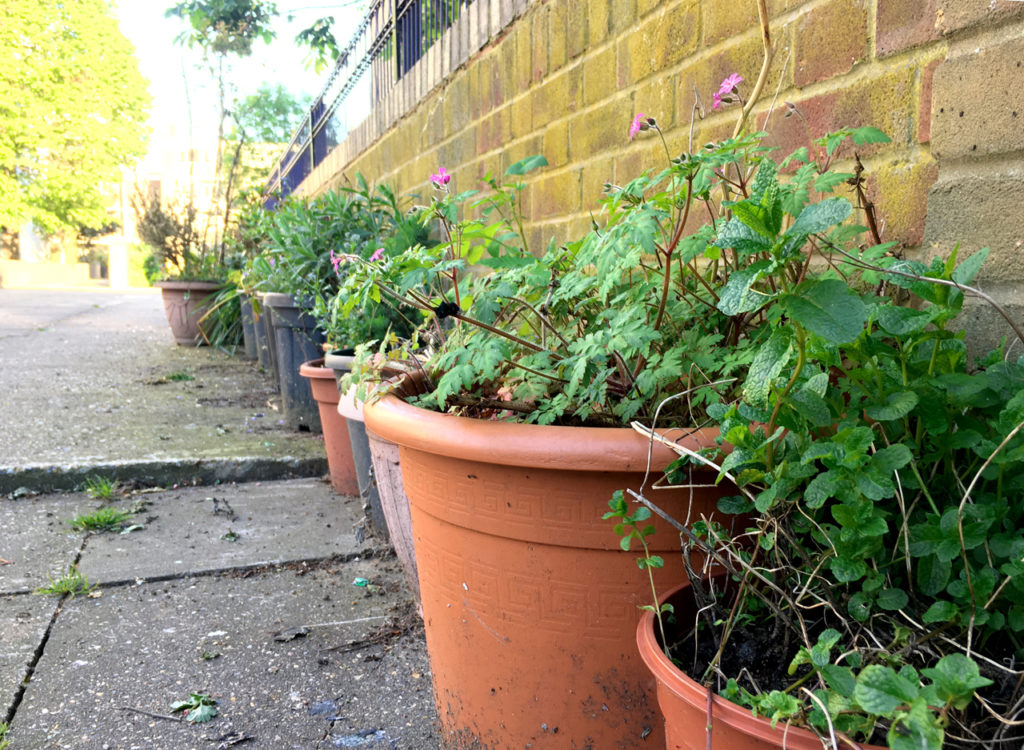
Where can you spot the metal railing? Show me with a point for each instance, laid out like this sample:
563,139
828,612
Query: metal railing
391,37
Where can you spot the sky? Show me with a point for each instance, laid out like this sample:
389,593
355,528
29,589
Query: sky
168,66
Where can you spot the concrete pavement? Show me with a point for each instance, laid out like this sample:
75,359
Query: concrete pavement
259,593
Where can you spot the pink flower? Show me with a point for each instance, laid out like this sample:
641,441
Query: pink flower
730,82
377,254
441,178
639,123
716,100
335,261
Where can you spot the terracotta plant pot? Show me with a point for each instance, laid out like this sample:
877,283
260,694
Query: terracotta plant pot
529,604
684,702
335,428
184,304
387,471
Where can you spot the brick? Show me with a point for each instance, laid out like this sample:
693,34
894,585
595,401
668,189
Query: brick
955,15
556,144
880,102
504,72
576,28
459,150
924,110
978,102
677,34
643,7
595,174
521,117
493,131
557,36
433,126
899,191
456,104
723,19
904,24
599,76
656,98
829,41
524,55
598,21
539,35
579,226
980,208
555,195
519,150
662,40
744,57
556,97
622,15
600,129
472,74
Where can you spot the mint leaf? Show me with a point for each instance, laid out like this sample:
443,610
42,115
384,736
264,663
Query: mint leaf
827,308
881,691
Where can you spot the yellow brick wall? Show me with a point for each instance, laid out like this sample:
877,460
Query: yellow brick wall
943,78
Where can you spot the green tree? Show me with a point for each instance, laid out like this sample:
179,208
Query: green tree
233,25
270,115
73,107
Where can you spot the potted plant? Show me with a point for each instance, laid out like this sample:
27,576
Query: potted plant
878,580
515,566
369,223
378,227
192,273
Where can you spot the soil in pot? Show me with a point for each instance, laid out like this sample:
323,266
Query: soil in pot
685,703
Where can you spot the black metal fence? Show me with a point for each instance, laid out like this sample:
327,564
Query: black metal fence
391,37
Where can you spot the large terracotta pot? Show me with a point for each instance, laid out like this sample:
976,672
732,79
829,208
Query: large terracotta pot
684,702
530,606
185,303
335,428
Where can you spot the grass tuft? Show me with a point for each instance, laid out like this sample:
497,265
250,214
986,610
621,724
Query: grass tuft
104,519
72,583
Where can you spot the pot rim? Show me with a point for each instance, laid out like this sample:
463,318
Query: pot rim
314,369
528,445
737,717
177,284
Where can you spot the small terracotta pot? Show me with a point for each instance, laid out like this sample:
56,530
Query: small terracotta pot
335,429
684,702
184,304
529,604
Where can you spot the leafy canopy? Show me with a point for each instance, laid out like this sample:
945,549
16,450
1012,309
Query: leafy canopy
73,107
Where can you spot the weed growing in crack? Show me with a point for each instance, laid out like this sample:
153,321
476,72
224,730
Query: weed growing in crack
104,519
100,488
71,583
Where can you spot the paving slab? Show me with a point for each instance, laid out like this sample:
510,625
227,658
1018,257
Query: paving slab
24,621
36,542
195,529
92,382
140,648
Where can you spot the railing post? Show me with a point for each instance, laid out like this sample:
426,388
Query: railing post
396,68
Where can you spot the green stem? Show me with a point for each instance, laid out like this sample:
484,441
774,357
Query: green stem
801,359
